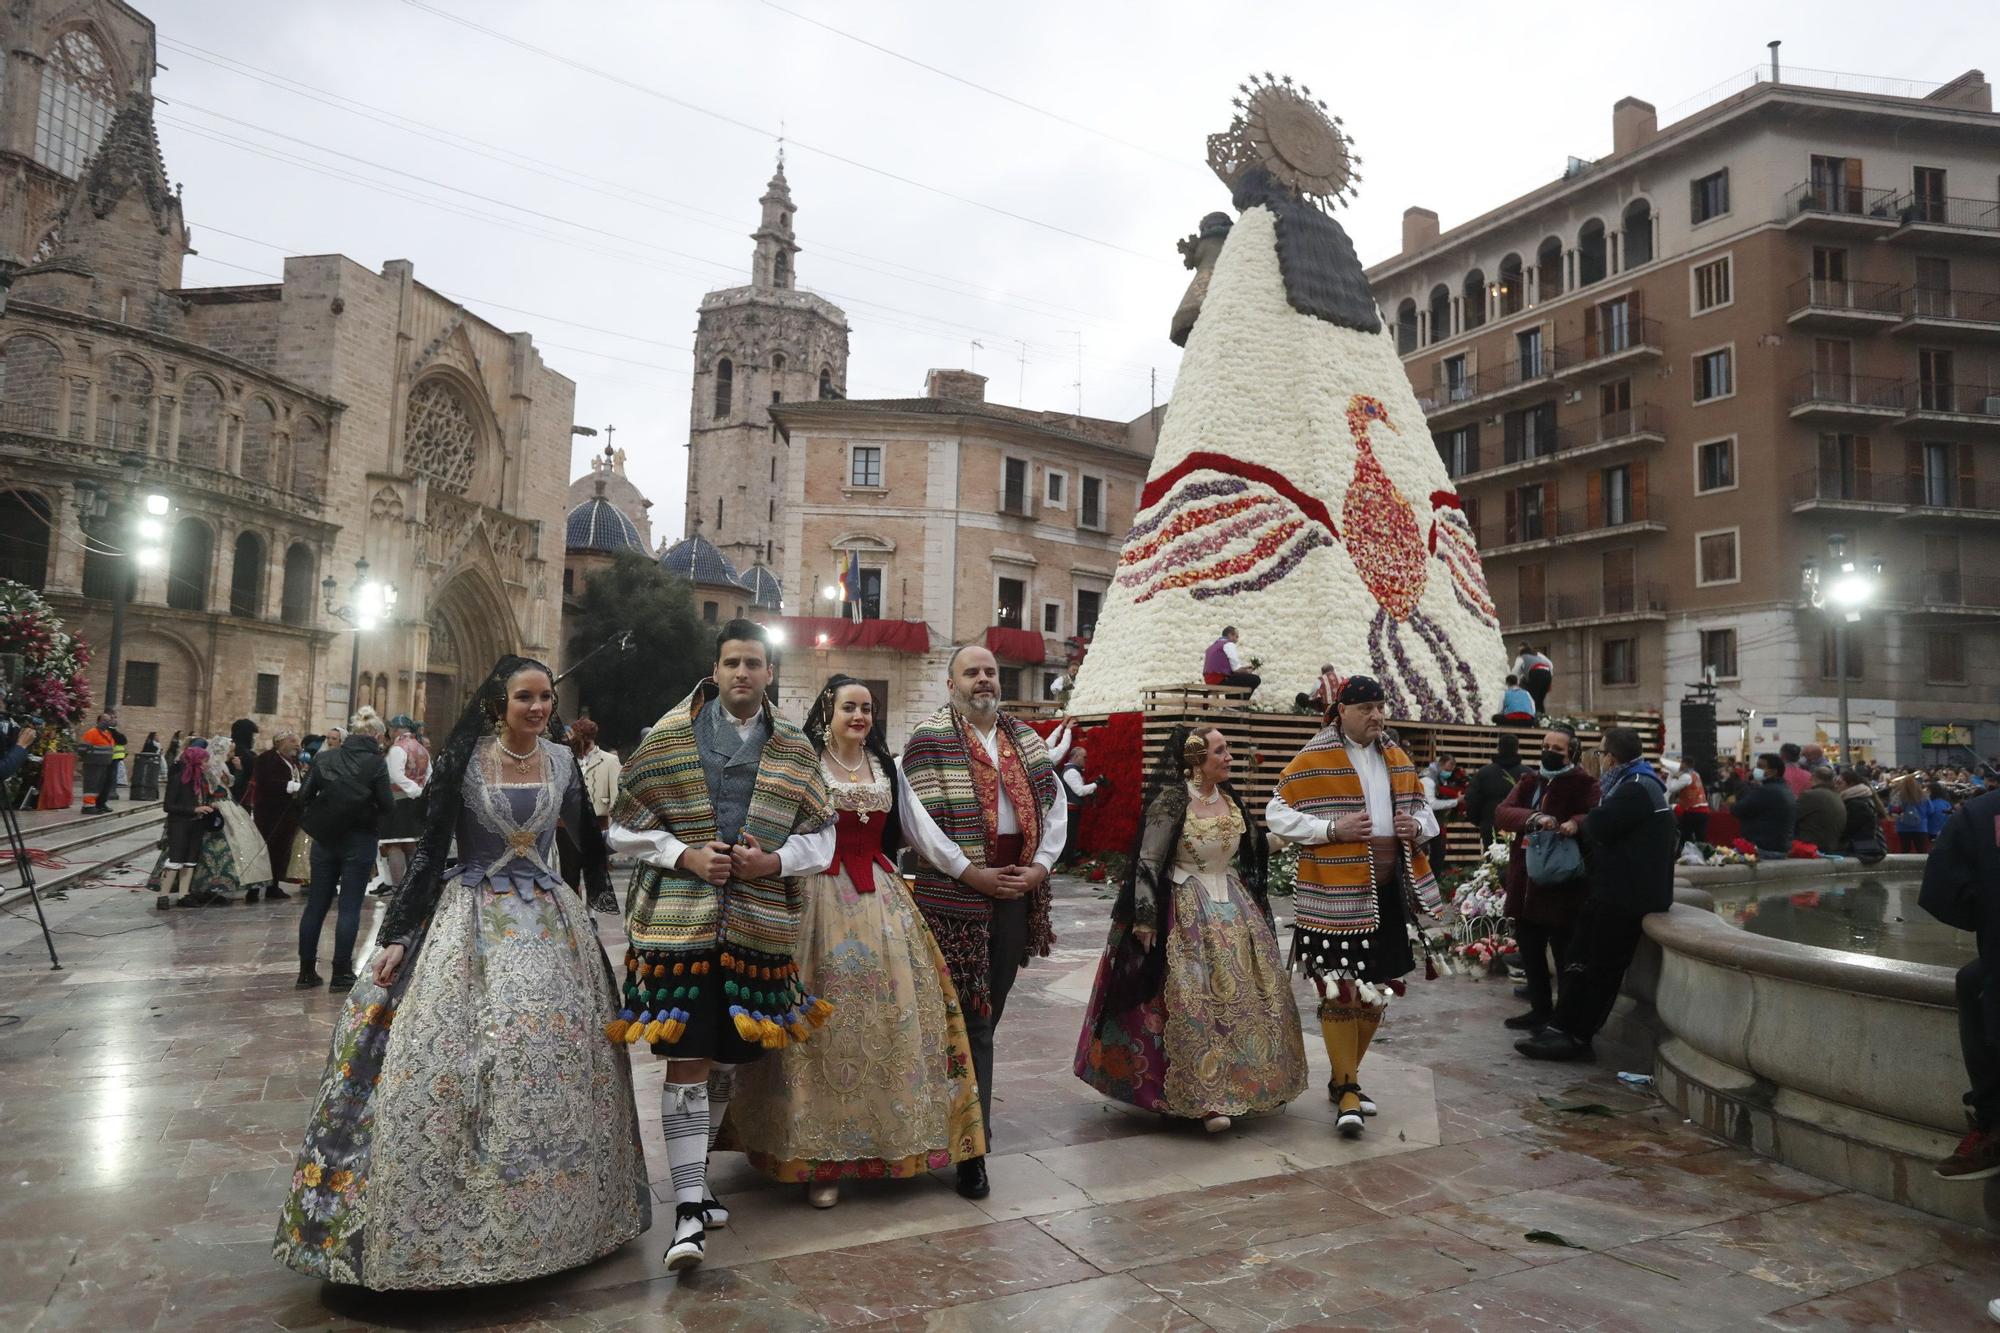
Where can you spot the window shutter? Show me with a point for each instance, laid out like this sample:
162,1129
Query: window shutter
1829,456
1913,473
1551,510
1965,476
1513,525
1595,504
1638,488
1590,333
1864,465
1636,305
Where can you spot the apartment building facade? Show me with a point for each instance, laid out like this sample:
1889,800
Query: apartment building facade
1665,381
947,520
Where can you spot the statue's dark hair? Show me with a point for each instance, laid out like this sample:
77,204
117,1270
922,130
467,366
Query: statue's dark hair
1323,275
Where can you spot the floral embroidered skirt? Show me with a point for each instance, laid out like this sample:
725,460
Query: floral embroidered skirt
474,1126
1222,1037
886,1087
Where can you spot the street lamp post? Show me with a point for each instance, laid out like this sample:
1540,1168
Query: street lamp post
138,533
1842,590
369,602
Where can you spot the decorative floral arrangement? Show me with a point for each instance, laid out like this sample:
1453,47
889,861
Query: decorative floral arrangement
1109,821
1281,877
1297,495
1740,852
53,684
1100,867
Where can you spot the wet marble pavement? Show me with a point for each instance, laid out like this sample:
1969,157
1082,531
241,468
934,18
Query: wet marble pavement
153,1092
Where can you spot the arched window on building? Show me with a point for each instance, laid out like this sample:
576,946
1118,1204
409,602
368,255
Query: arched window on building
79,94
1638,233
1473,298
777,363
378,695
102,562
246,577
24,538
124,412
297,608
260,441
725,388
1549,269
1511,291
1590,253
308,457
826,383
31,383
781,270
440,440
188,564
1440,313
1406,326
201,422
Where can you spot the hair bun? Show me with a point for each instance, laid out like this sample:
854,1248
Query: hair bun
1194,749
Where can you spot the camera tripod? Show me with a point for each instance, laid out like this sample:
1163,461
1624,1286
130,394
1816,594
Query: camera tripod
17,847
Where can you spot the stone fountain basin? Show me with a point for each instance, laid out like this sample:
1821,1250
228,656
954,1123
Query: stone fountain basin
1840,1064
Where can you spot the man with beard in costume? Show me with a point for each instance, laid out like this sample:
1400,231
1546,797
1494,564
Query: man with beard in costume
983,809
1355,806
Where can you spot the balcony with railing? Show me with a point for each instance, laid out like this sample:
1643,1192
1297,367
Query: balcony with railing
1639,427
1948,312
1612,604
1843,304
1927,219
1841,210
1949,592
1839,395
1492,386
1568,526
1932,405
1015,502
1927,495
1529,611
1617,341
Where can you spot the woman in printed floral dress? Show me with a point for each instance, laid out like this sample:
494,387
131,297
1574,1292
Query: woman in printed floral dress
1192,1014
474,1125
886,1089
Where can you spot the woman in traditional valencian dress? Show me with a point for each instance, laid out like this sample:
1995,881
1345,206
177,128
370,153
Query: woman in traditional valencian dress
886,1088
1192,1014
234,861
474,1125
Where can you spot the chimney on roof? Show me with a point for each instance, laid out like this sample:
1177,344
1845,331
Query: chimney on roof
1420,228
963,386
1634,124
1969,91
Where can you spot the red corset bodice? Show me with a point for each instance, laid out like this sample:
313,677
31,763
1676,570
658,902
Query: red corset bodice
857,847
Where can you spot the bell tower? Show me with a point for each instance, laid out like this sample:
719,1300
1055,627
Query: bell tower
764,343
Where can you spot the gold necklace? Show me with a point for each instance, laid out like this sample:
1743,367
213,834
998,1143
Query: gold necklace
862,774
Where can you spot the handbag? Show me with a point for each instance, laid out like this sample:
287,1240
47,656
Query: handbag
1553,859
299,869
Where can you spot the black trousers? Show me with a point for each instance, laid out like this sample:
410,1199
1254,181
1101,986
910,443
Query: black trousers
1602,948
1536,943
1247,679
1537,685
1694,825
1979,1040
1006,949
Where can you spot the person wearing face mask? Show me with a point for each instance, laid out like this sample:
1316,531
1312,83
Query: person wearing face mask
983,807
726,808
1352,802
1555,794
1767,810
888,1090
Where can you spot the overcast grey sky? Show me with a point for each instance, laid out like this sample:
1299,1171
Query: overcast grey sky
575,191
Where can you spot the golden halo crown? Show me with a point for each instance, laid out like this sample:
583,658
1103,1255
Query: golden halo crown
1280,127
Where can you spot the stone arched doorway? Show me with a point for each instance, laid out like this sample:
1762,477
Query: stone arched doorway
470,627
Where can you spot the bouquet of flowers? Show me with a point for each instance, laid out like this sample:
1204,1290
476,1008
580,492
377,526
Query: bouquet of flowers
1803,851
1282,876
1740,852
52,683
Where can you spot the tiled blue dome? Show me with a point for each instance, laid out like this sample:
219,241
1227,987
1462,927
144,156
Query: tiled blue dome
696,560
766,591
598,525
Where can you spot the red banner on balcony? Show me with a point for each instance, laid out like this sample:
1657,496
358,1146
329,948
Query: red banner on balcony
1016,645
898,636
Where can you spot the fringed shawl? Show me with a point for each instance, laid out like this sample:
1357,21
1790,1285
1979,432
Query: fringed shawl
948,772
1335,886
663,787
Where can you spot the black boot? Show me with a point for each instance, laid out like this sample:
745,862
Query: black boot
275,894
1532,1021
309,977
972,1182
250,895
1554,1044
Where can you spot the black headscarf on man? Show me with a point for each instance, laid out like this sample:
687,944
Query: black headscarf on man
483,712
1137,974
819,720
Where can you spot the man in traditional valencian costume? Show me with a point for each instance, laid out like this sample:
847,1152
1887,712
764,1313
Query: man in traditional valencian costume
984,811
725,807
1353,803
